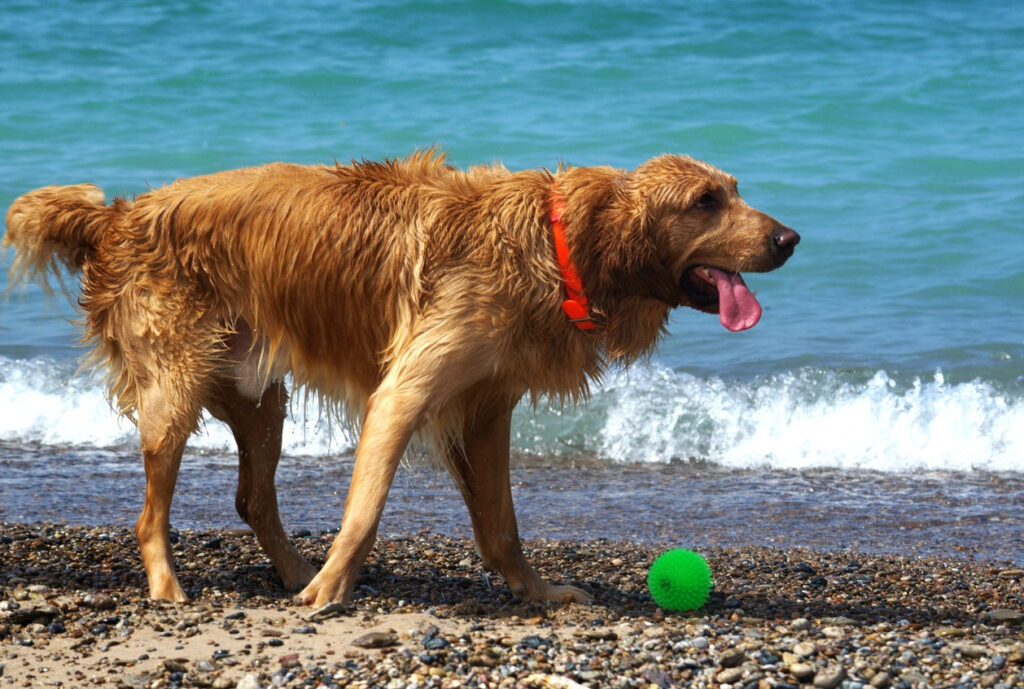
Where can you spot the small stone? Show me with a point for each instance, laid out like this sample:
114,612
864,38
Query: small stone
839,621
289,661
731,658
205,666
729,676
304,629
436,643
172,665
830,678
331,609
801,624
101,601
50,612
655,676
969,650
250,681
881,679
700,643
21,617
802,671
1003,616
224,683
376,640
805,649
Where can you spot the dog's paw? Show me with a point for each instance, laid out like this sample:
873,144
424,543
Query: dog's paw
557,594
169,590
320,592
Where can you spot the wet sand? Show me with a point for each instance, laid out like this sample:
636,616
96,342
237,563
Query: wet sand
74,612
974,515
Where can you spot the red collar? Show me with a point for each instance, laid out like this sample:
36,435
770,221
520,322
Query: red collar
576,306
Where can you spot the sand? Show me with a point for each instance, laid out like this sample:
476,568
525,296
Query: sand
74,612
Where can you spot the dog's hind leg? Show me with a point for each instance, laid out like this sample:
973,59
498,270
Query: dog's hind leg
481,470
257,427
163,429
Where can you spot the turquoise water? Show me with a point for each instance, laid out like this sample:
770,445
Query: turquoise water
889,135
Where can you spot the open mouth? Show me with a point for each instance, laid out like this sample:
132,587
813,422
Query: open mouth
719,291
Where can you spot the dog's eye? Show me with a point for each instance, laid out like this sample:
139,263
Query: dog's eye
707,202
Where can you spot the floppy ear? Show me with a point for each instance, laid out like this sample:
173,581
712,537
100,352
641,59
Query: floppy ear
623,257
666,182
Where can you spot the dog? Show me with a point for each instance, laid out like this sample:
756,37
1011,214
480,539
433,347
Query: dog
419,298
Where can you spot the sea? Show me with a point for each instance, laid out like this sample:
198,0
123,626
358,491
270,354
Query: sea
878,405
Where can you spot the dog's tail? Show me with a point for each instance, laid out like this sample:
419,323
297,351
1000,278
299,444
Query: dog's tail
55,226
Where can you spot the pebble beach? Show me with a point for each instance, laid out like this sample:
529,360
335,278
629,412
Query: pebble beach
74,612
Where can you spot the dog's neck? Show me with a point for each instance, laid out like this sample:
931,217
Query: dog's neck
576,305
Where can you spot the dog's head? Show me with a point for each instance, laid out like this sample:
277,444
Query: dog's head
705,235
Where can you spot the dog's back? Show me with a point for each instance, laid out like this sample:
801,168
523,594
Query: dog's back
323,268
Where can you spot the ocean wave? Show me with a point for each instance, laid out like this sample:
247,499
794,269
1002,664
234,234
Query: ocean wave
807,418
47,402
813,418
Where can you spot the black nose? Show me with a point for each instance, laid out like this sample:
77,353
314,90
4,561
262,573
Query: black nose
785,238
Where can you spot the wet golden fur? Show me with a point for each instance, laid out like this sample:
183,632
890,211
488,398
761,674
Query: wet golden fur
419,296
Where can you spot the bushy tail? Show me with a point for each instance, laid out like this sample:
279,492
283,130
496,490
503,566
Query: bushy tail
54,226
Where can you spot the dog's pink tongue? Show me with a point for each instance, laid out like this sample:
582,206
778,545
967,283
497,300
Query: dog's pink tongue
737,307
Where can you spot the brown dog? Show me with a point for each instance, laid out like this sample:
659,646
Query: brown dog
416,296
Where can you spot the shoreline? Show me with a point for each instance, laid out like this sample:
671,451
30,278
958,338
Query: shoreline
73,611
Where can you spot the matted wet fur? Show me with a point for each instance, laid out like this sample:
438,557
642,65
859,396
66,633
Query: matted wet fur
422,297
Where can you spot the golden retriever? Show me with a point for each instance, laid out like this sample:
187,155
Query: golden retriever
414,296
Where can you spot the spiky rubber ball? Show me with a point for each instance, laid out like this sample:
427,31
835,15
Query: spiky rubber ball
680,579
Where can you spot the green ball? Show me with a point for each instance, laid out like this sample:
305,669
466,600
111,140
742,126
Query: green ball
680,579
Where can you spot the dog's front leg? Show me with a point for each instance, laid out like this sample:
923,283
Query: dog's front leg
481,469
424,379
391,417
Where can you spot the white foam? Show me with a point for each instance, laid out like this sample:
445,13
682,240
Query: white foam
802,419
42,402
813,419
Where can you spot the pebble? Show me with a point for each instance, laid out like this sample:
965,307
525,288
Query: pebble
805,649
250,681
830,678
881,679
802,671
1002,616
729,676
376,640
731,658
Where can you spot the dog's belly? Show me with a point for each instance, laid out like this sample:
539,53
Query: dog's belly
253,367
